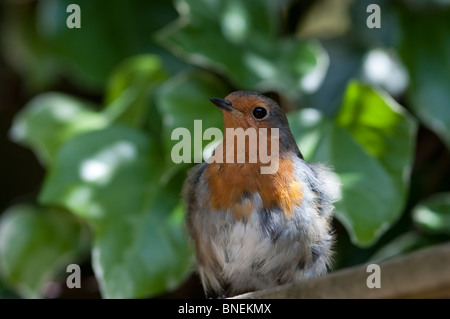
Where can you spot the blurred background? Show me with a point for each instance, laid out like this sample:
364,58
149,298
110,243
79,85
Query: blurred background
90,95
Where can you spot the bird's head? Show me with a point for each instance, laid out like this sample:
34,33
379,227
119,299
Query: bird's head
250,109
242,109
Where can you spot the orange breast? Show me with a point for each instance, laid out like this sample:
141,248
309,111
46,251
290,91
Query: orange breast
229,182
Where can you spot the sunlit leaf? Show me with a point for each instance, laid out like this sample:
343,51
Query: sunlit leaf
129,90
51,119
239,39
111,178
433,214
370,145
138,71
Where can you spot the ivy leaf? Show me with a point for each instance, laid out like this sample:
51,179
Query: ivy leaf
370,145
181,101
36,245
433,214
108,35
403,244
128,96
240,40
50,119
428,92
111,178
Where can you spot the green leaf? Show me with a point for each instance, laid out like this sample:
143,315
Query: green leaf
433,214
129,90
36,245
401,245
241,40
51,119
182,100
425,50
383,128
108,34
138,71
111,178
370,145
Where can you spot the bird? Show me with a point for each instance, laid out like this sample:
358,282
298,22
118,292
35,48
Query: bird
253,231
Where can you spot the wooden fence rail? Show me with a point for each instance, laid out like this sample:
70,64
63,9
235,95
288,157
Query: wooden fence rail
422,274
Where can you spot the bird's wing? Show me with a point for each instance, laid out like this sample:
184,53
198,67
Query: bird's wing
191,186
194,190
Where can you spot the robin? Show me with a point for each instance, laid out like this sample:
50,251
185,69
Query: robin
251,230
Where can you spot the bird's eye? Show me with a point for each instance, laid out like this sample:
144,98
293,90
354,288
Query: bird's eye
259,113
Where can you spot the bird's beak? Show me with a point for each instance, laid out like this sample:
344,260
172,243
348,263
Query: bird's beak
223,104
